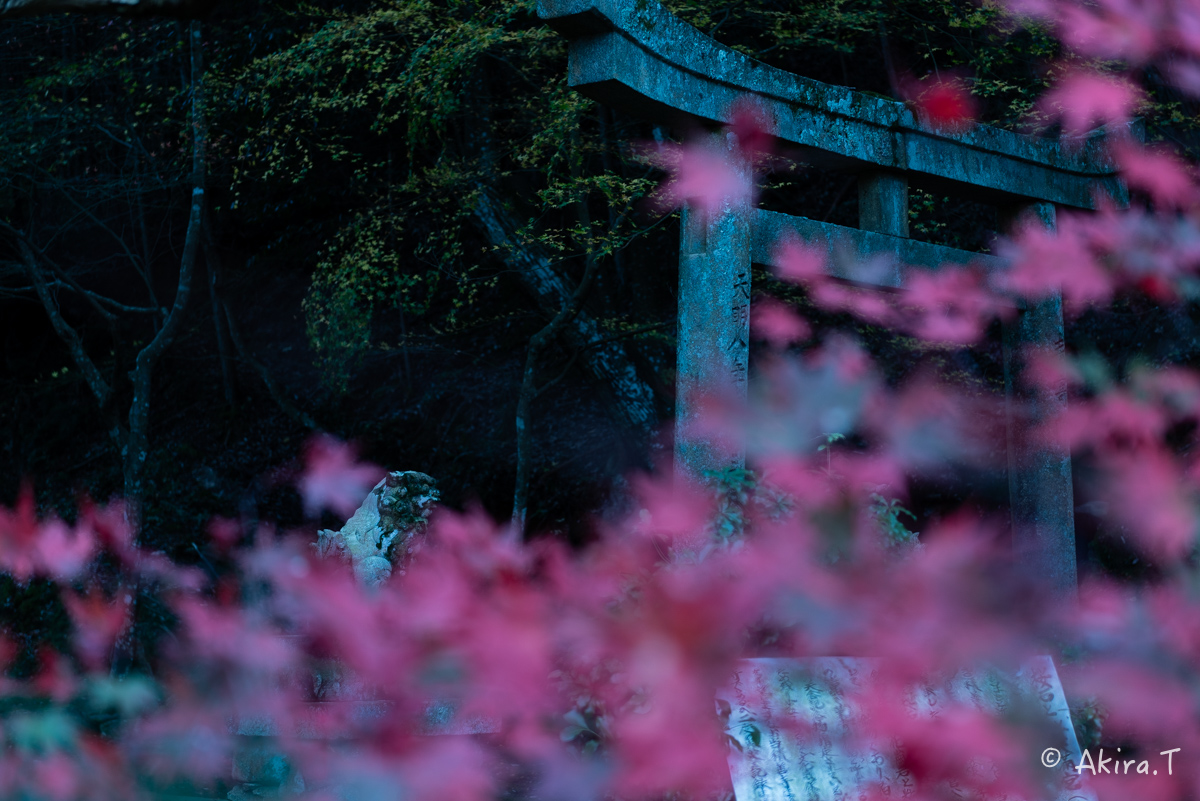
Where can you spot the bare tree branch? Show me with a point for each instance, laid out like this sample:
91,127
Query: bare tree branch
66,333
39,255
276,392
66,282
120,240
150,354
23,292
137,263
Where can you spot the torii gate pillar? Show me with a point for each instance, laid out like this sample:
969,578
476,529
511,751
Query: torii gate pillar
714,332
1042,499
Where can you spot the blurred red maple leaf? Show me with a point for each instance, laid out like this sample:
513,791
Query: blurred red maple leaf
334,478
942,103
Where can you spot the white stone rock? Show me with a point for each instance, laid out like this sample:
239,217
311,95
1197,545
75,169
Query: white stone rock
386,530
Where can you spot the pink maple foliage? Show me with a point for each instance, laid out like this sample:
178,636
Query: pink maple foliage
1044,262
1083,100
712,173
798,262
49,548
334,479
18,537
703,175
777,324
98,621
1159,173
953,305
1133,30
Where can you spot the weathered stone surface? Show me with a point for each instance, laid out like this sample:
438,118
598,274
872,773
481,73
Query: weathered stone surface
883,202
386,529
797,727
1039,476
852,253
635,55
714,327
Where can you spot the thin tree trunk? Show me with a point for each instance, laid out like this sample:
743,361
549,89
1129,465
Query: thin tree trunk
212,261
604,358
137,443
537,344
95,381
273,388
199,123
200,179
529,391
136,447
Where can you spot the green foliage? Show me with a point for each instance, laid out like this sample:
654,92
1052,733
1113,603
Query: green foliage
408,108
921,207
888,512
738,490
1003,56
1088,720
42,732
396,71
75,109
586,726
368,267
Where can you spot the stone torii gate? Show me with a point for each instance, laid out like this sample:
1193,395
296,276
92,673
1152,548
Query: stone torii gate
635,56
